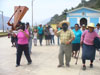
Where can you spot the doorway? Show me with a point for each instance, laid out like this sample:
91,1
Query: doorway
83,21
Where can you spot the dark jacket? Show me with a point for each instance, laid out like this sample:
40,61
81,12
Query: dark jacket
96,43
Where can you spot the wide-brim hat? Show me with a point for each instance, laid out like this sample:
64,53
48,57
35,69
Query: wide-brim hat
64,21
91,25
83,25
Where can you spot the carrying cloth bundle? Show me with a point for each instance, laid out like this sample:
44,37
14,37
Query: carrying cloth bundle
97,43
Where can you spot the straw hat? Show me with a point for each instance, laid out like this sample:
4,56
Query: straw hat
83,25
62,22
91,25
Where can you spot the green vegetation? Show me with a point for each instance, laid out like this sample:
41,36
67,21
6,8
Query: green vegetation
3,34
95,4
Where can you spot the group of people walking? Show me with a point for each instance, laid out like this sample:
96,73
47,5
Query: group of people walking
21,38
70,41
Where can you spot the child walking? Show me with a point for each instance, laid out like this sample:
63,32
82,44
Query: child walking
35,37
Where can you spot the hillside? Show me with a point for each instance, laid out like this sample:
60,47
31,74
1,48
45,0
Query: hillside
92,4
95,4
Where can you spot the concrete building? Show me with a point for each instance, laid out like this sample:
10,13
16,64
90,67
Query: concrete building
83,15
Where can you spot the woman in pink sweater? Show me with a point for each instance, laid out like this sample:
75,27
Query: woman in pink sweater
23,36
88,49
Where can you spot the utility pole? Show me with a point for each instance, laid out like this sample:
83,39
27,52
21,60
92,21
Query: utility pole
32,12
2,21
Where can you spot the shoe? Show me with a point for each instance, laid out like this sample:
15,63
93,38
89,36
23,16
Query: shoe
40,44
12,46
35,45
91,65
29,63
59,66
17,65
84,67
75,57
30,52
67,65
72,54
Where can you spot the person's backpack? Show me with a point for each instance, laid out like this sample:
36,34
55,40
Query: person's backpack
96,43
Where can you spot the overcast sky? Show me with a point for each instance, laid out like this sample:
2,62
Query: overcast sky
42,9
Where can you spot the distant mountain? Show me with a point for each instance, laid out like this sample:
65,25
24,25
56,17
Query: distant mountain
5,22
56,19
45,21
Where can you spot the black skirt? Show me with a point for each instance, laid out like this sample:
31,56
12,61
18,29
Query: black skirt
75,46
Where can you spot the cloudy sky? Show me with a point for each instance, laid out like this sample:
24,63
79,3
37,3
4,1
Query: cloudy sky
42,9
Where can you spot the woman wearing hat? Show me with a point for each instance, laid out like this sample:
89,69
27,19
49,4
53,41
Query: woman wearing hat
66,36
88,49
